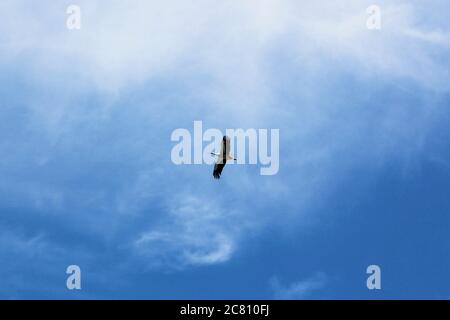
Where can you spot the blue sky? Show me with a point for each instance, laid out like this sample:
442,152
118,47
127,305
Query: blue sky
86,175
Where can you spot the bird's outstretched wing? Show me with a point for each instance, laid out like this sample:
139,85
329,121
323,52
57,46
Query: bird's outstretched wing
218,167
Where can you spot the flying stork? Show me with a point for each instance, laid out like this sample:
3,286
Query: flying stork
222,157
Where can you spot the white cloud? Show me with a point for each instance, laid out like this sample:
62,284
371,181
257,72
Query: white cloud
231,41
195,232
299,290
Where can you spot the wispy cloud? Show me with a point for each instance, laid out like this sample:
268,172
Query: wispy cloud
299,290
128,43
195,232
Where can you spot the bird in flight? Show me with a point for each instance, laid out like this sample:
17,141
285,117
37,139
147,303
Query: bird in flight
222,157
